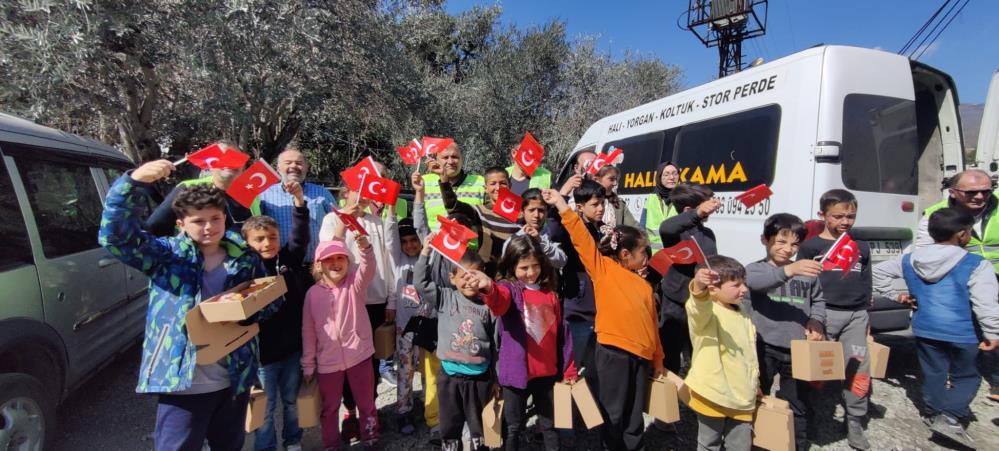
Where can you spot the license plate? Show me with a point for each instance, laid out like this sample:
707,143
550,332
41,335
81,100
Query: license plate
883,249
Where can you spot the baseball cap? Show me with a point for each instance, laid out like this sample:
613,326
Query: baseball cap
327,249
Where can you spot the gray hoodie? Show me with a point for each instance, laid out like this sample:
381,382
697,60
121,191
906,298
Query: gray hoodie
781,304
931,263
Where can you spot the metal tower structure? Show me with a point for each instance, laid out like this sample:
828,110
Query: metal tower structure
725,24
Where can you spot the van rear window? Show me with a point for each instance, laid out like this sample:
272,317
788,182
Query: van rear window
880,150
641,157
730,153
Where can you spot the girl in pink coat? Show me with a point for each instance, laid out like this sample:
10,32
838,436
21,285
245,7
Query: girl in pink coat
336,337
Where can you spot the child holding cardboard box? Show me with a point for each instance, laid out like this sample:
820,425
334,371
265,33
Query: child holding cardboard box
281,352
196,402
628,351
956,295
724,370
336,337
847,296
465,345
787,305
535,348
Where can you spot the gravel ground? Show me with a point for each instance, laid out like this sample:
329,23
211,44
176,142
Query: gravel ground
106,413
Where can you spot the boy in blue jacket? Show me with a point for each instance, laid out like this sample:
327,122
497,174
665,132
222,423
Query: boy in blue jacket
196,402
957,316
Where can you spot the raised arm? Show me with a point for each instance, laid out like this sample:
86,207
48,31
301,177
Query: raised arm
121,232
498,299
699,306
163,221
366,266
425,285
554,252
298,242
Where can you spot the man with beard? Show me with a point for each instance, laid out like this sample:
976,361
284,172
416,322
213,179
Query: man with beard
279,204
163,220
446,167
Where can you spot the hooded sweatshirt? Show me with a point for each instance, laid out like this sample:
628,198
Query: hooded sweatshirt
934,262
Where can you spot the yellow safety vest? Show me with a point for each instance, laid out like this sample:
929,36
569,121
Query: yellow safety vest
987,245
472,191
655,213
542,178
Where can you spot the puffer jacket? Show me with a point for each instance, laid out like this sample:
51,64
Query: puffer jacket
174,266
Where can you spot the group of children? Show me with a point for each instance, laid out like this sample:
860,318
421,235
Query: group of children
563,295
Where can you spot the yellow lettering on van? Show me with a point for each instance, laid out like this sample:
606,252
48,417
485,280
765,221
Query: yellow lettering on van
697,177
648,179
629,180
683,175
738,174
716,175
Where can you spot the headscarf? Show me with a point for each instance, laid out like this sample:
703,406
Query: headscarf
661,189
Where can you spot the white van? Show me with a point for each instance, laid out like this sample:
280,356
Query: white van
873,122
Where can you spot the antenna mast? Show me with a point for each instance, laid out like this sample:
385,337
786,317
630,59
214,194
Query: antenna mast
725,24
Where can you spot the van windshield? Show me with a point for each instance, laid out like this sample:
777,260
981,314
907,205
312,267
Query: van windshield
880,149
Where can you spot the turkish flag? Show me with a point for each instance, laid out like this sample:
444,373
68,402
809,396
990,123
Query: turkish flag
253,181
684,252
843,254
380,189
614,156
216,156
433,145
355,175
411,154
452,240
529,154
755,195
350,222
661,262
508,205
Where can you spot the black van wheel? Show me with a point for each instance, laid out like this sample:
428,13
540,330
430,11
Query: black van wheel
27,414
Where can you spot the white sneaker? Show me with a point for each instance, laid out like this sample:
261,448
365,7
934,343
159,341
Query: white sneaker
295,447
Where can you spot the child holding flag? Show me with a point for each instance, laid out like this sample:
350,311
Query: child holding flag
465,344
380,297
628,351
848,296
695,205
195,402
535,213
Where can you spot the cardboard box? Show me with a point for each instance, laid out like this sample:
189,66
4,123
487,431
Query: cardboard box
879,358
562,396
309,404
682,391
817,360
215,340
257,410
492,423
773,425
270,288
587,406
385,341
662,401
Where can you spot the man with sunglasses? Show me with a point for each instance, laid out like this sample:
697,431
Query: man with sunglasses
972,192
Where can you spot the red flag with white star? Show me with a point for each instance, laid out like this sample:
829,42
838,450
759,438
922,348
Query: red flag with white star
529,154
253,181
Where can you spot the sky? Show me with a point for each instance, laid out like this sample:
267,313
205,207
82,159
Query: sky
968,49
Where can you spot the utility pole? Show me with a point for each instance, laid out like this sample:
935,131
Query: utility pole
725,24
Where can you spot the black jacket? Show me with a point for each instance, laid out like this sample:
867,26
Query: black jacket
575,286
281,334
681,227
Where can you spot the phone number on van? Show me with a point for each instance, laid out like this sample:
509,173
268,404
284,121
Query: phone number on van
731,206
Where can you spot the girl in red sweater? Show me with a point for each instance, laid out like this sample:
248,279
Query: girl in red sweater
535,348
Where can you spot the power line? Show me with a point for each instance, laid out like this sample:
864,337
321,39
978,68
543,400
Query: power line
934,29
942,29
915,36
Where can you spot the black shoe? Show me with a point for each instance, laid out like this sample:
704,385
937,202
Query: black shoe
405,424
855,434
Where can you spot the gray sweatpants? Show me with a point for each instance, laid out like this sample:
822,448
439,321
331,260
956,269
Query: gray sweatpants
712,432
850,329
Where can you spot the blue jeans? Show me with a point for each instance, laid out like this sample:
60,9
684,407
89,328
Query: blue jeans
280,378
940,358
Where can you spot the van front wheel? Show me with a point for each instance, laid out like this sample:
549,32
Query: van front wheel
27,414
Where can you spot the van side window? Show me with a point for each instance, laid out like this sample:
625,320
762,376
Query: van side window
65,202
880,149
642,155
730,153
16,247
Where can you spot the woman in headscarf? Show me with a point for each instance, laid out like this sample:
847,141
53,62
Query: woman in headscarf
658,206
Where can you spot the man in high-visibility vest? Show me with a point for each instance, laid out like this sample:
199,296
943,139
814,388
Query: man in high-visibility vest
520,181
972,192
446,167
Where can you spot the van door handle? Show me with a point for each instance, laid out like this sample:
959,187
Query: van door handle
105,262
